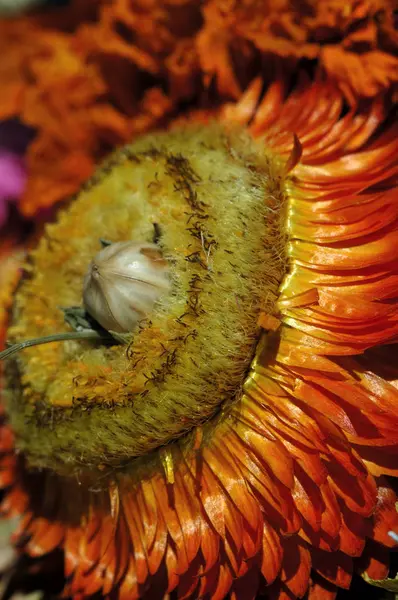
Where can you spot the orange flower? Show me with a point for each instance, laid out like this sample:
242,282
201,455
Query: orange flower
353,41
290,489
95,74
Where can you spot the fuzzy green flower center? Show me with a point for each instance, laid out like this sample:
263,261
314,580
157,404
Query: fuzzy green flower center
217,200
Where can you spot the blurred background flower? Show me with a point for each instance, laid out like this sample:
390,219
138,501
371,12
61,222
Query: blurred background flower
12,181
14,139
94,74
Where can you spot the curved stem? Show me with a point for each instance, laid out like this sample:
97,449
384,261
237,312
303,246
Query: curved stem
88,334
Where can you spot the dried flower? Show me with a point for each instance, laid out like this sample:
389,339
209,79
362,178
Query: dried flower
245,440
186,462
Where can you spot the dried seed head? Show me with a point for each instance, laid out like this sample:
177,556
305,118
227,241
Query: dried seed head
122,284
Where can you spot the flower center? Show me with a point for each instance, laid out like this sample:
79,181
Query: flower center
217,200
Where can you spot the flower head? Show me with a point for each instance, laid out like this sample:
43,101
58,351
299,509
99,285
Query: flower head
203,467
243,439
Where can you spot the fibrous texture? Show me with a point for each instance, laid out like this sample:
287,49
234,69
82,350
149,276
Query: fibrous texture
110,70
295,480
11,257
219,203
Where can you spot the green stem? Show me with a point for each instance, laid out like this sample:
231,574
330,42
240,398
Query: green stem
88,334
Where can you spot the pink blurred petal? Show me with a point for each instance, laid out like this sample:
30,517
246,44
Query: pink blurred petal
12,176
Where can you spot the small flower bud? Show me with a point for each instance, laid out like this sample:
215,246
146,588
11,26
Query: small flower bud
123,282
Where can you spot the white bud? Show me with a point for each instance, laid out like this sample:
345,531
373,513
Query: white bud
122,284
